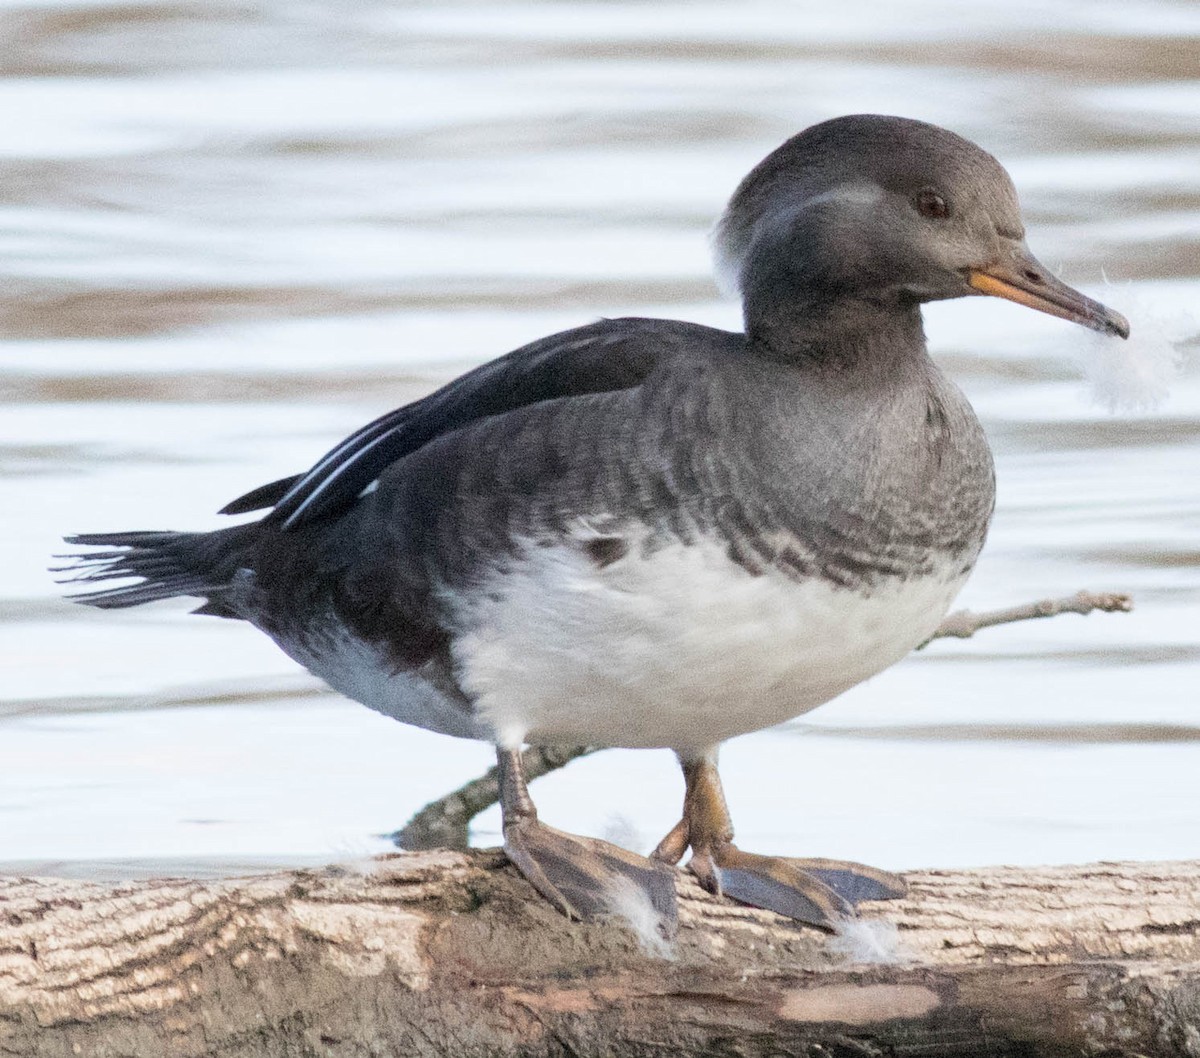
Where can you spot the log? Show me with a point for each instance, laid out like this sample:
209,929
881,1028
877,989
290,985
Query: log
452,954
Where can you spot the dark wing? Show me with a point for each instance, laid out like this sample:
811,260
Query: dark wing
602,357
264,496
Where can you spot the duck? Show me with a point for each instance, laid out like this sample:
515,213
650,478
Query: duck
652,533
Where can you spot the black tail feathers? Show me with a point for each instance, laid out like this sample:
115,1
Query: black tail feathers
170,565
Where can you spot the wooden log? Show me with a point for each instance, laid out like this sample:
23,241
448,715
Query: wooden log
451,954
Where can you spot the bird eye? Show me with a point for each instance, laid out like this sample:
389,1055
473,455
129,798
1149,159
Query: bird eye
931,204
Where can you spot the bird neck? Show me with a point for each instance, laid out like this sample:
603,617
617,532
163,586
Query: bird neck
848,334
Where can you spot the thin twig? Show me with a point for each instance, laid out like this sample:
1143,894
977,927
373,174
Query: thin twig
445,823
962,624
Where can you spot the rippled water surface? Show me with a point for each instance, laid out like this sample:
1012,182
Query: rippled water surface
231,233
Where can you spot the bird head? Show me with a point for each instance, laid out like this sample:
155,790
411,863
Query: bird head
887,210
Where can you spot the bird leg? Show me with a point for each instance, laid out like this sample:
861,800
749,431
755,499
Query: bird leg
584,878
816,891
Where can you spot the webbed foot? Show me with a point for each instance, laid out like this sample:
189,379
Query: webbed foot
769,882
586,878
819,892
853,882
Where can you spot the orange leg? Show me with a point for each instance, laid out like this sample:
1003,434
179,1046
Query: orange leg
816,891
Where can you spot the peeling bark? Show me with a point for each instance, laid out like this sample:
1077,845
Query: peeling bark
452,954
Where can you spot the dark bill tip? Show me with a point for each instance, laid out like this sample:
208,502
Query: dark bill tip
1027,283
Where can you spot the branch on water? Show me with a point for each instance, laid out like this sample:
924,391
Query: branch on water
962,624
444,823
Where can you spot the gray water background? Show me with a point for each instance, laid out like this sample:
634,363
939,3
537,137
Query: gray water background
231,232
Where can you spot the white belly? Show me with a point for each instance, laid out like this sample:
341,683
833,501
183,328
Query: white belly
682,649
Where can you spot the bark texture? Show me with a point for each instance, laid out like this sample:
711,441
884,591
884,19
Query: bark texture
452,954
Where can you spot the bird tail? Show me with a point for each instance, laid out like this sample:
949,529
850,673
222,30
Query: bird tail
169,565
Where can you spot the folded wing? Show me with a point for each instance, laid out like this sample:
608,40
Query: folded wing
602,357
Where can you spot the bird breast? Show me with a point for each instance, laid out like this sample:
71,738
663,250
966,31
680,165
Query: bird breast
677,646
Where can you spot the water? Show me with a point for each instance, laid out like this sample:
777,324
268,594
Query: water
230,234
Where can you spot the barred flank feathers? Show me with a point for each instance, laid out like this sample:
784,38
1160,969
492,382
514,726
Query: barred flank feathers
170,565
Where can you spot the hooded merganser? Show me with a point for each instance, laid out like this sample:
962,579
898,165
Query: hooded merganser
648,532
